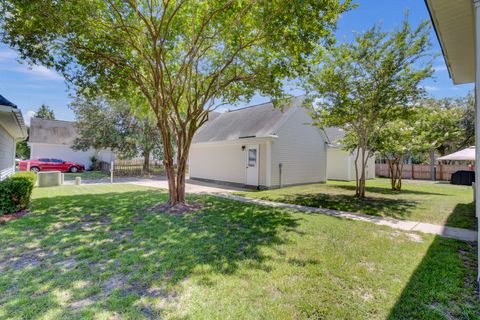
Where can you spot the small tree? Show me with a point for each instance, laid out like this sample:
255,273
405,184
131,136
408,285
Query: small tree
44,112
360,85
184,58
424,129
102,124
395,142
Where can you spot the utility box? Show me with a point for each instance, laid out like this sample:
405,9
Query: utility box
49,179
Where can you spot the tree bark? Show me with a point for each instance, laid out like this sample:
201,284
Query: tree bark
146,161
360,176
395,168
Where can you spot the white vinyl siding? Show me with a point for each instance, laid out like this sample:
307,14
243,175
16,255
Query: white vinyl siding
301,150
226,162
218,162
341,165
7,154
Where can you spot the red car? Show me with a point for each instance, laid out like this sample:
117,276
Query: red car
45,164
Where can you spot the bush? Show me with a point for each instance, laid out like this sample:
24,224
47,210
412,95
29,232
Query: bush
16,191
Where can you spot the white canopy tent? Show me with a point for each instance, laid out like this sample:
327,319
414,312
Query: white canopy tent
467,154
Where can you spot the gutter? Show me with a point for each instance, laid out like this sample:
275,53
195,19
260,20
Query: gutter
439,41
19,118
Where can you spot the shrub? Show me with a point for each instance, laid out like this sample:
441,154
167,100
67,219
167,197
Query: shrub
16,191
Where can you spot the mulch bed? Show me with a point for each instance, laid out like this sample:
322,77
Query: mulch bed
12,216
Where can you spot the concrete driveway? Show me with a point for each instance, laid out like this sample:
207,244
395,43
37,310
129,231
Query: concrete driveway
191,186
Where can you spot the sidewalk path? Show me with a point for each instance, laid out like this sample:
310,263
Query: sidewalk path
448,232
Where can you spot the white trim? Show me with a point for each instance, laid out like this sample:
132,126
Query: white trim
253,140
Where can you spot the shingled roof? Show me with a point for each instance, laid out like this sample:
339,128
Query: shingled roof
52,131
251,122
334,135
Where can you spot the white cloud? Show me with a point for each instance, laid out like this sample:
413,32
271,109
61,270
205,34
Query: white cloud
41,72
440,68
7,54
431,88
28,116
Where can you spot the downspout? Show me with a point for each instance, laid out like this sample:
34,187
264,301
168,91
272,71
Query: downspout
280,174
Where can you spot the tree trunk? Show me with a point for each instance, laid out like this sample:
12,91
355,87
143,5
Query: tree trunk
360,176
146,161
176,175
395,167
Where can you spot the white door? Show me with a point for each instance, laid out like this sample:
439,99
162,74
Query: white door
252,165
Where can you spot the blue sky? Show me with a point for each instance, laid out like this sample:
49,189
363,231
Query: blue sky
29,87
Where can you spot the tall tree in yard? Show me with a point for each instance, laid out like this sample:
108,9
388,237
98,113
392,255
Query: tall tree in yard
102,124
360,85
183,57
44,112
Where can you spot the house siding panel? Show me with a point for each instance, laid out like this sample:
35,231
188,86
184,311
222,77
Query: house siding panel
301,149
219,162
7,154
225,162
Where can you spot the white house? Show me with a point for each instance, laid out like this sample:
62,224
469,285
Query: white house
341,163
12,130
263,147
54,139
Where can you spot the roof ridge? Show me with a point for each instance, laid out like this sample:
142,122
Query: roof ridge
43,119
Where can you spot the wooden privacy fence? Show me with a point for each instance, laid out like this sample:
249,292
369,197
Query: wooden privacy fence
132,168
422,171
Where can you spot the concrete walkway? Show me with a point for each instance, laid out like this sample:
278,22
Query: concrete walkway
448,232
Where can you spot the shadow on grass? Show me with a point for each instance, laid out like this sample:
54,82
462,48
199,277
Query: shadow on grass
463,216
443,286
81,255
387,190
395,208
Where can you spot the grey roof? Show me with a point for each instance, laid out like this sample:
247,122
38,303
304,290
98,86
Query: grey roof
254,121
5,102
334,135
52,131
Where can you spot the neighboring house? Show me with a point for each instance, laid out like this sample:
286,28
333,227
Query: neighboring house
457,25
341,163
54,139
260,146
12,130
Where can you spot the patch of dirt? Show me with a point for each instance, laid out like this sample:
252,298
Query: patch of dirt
12,216
177,210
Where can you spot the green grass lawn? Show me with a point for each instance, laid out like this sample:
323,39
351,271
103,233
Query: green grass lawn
86,175
426,201
98,252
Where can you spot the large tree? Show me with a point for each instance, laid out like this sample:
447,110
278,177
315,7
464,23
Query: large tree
102,123
361,84
183,56
44,112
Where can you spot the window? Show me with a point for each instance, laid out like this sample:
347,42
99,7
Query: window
57,160
44,160
252,157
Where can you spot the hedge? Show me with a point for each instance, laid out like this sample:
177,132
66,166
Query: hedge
16,191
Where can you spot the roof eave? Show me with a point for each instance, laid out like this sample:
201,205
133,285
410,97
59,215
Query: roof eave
458,48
